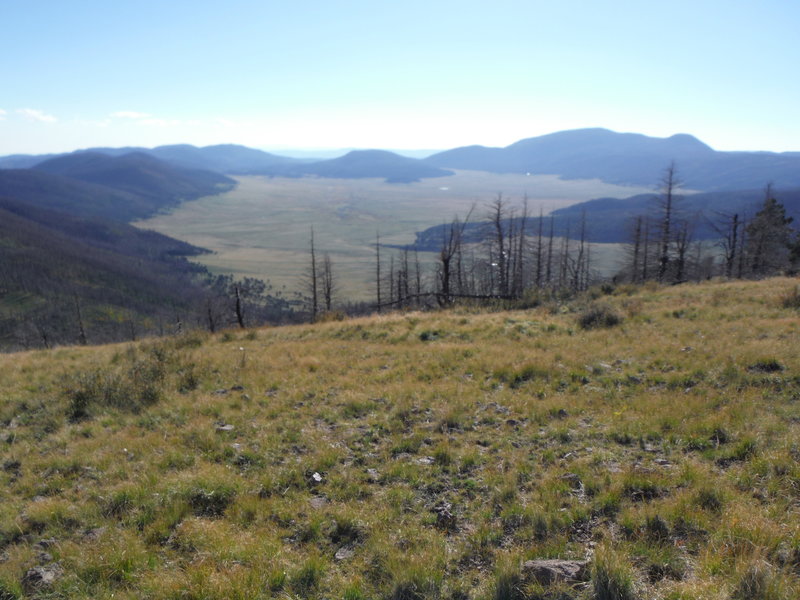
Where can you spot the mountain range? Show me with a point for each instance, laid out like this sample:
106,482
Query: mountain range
619,158
628,159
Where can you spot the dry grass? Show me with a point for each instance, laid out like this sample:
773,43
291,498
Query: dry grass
417,455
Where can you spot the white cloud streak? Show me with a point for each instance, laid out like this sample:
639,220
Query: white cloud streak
33,114
2,114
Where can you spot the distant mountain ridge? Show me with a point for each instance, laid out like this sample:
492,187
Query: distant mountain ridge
595,153
628,159
359,164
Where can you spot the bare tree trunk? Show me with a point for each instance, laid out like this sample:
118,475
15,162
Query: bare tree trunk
81,329
314,282
497,212
670,183
539,250
212,327
549,270
239,312
328,282
637,248
378,269
646,250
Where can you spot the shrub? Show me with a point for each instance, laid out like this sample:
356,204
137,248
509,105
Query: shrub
766,365
612,578
599,315
760,581
791,299
139,386
210,500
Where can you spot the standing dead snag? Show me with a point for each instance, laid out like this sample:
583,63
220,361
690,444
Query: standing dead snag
328,282
238,307
669,184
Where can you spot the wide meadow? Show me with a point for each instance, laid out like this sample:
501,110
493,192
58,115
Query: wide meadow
262,227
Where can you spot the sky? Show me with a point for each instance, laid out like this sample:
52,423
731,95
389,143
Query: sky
430,74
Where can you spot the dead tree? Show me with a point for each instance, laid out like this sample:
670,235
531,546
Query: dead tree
313,282
728,226
378,270
451,247
328,282
669,184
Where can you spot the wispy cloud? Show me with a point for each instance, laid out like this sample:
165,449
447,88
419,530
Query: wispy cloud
129,114
33,114
160,122
2,114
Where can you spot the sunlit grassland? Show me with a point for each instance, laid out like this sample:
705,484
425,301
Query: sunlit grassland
317,461
261,228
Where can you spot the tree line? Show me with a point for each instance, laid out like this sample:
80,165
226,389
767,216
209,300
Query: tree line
521,258
751,243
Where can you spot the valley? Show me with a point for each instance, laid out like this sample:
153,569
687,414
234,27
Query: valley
261,228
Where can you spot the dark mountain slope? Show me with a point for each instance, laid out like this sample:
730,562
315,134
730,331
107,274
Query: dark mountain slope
371,163
67,195
121,278
137,173
628,158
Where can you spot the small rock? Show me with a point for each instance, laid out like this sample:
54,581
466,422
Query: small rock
318,502
224,427
344,553
426,460
662,461
373,475
562,414
237,446
445,519
46,542
237,388
546,572
94,534
220,392
41,577
44,557
316,477
512,422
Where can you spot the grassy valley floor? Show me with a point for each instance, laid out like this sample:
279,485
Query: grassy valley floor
416,455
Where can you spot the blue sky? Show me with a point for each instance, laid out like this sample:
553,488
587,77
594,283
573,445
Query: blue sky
413,74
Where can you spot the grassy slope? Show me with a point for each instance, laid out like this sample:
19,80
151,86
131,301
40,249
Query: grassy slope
666,447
